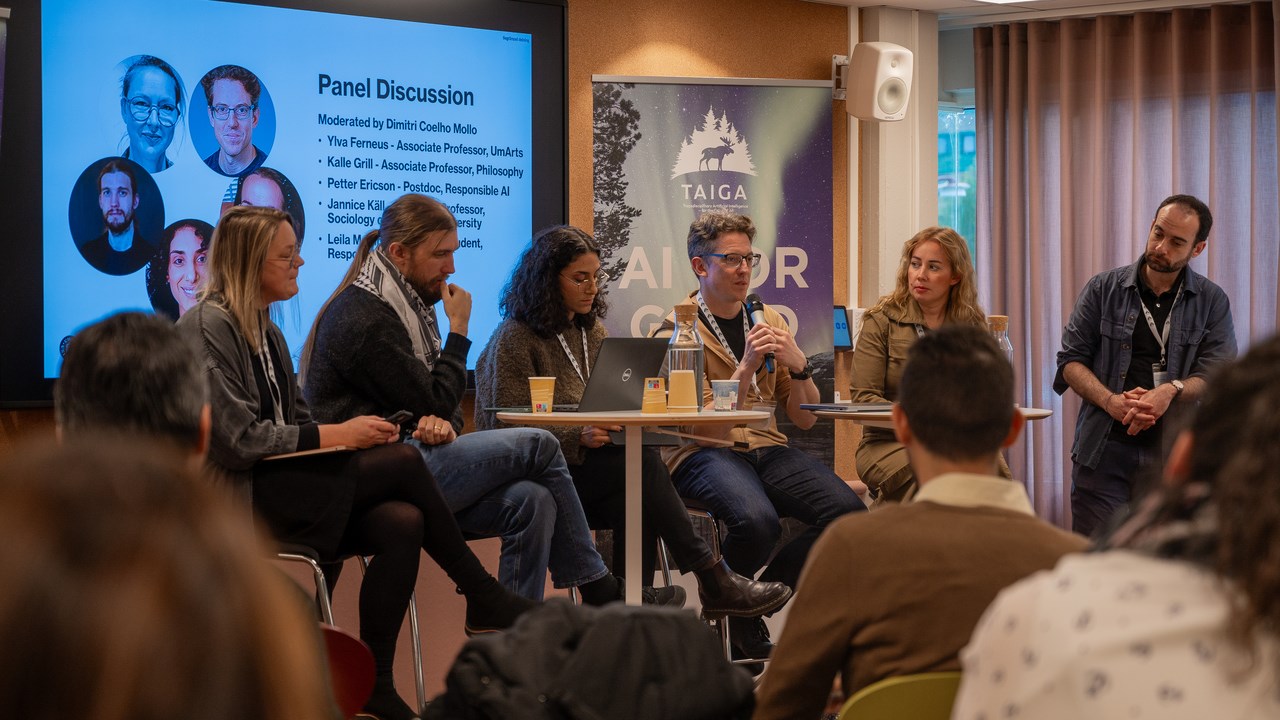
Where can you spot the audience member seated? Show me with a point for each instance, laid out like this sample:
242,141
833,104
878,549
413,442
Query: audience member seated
551,306
377,501
131,590
898,591
1177,617
375,348
935,287
752,489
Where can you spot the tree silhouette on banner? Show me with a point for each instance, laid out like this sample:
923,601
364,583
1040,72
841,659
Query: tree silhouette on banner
615,128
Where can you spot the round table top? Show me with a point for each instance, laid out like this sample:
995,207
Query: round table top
884,418
632,417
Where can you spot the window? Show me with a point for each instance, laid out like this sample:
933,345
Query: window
958,172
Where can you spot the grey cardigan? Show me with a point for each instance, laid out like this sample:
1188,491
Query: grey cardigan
240,439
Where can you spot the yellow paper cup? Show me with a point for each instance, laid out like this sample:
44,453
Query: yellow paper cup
542,392
655,395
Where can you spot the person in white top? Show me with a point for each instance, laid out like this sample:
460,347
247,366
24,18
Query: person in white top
1176,617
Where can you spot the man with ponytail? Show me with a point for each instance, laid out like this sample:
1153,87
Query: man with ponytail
375,348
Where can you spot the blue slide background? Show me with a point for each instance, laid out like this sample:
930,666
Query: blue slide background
85,42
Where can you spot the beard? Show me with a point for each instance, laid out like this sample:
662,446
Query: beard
1166,266
116,225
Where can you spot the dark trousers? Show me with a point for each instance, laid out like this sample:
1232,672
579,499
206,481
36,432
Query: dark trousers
601,483
1099,494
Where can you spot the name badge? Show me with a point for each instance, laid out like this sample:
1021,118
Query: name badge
1159,375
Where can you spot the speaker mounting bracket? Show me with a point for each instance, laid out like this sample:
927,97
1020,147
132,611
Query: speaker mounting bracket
839,76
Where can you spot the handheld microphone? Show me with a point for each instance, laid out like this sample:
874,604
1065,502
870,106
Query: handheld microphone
755,308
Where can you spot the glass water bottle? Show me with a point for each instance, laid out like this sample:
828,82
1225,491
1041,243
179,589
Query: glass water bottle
684,363
999,325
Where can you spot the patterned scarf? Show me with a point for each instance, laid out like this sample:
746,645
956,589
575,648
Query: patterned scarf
379,276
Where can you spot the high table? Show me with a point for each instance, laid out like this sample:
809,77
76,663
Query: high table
883,418
633,423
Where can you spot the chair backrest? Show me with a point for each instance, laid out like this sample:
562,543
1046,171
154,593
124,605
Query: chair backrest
927,696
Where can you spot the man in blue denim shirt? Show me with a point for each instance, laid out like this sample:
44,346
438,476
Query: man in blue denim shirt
1139,337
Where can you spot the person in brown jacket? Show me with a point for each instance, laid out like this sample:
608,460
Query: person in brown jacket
910,605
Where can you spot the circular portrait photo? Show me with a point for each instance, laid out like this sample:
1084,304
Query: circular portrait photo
233,122
268,187
176,272
151,105
116,215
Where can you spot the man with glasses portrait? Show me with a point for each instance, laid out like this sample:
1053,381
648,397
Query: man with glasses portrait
758,481
232,93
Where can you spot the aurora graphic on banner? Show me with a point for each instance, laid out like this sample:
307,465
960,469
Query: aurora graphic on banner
666,152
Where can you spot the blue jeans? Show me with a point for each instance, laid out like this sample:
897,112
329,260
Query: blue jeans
751,491
1101,493
513,483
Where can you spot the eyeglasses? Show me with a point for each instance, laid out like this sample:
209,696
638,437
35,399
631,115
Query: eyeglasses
733,260
222,112
293,259
141,108
588,282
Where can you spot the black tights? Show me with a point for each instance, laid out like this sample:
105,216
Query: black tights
396,511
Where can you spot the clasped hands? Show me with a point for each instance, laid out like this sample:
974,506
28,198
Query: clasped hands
1140,408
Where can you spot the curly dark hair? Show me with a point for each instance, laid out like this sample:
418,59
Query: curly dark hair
1234,449
532,295
158,291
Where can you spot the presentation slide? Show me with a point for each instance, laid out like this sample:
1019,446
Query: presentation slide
158,115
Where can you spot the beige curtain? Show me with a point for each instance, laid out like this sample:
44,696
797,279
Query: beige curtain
1084,125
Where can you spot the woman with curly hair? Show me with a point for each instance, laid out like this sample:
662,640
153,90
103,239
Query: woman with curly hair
176,273
935,286
552,307
1178,616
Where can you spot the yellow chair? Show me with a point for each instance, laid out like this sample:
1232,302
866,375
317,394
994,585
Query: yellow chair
927,696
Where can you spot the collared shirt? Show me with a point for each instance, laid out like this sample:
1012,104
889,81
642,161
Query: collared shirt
1099,335
968,490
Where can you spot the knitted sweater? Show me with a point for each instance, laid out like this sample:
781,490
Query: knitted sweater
514,354
363,364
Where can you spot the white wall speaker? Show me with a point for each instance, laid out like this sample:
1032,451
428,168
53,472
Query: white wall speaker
879,81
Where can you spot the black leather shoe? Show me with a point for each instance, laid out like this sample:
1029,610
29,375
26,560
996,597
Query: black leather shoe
724,592
492,607
750,638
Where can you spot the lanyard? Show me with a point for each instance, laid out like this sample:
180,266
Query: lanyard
269,369
724,342
1162,336
576,367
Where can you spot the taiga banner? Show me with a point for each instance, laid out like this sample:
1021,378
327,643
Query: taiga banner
668,149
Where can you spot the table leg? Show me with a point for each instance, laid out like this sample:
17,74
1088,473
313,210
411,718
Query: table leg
634,574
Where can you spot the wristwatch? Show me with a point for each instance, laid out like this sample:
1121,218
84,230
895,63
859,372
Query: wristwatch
1178,386
804,374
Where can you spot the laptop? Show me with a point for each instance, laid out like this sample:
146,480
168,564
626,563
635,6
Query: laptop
617,381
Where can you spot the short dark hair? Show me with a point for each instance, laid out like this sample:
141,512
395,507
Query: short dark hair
708,228
532,295
1195,205
957,392
118,165
131,373
231,72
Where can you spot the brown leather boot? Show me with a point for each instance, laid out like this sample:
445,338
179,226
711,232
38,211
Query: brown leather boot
725,592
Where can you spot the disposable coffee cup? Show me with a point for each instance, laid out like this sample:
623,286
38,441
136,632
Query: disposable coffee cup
542,392
724,394
655,396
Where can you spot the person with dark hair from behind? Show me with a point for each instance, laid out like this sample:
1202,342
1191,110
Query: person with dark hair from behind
376,347
176,273
965,535
379,500
151,104
131,590
1177,616
1139,343
120,249
232,95
552,306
